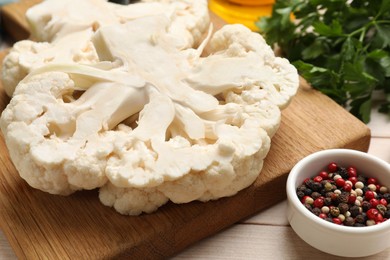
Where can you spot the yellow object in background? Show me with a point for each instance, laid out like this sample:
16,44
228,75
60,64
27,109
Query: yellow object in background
246,12
252,2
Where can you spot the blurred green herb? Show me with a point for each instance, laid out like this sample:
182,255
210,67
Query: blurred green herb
342,48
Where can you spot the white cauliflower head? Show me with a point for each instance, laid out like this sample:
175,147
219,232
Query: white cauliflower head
152,120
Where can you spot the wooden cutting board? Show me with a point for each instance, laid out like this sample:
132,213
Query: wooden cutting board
43,226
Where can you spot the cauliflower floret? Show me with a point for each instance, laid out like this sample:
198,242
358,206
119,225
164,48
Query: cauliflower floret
27,55
155,121
131,201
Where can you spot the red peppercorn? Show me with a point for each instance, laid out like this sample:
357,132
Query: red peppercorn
383,202
351,171
337,221
378,218
372,213
371,181
319,202
378,187
374,203
351,199
332,167
347,187
317,179
306,180
369,195
353,180
323,175
322,215
340,182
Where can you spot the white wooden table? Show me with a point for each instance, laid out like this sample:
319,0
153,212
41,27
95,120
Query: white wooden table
266,235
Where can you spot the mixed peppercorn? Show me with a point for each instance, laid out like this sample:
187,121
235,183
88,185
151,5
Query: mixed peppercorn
342,196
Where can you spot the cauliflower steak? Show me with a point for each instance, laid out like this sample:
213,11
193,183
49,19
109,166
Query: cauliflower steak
148,119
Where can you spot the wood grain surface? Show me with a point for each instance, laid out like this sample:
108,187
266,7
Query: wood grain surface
43,226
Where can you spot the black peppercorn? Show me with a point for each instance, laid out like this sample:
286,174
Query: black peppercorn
329,220
315,195
335,211
309,183
343,207
365,206
354,211
316,186
359,225
329,194
386,196
360,219
308,206
308,192
343,197
343,173
349,221
317,211
300,194
387,214
361,178
327,201
323,192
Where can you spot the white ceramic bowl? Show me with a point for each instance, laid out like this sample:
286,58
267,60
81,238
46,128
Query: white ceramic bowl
329,237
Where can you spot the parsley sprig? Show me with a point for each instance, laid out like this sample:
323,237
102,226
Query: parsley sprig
341,47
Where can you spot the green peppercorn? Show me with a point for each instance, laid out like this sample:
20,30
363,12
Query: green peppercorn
381,208
328,186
